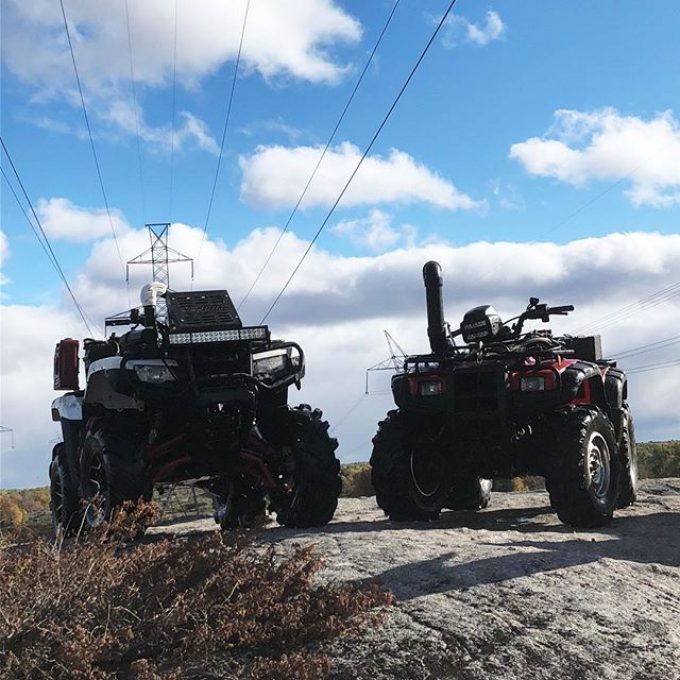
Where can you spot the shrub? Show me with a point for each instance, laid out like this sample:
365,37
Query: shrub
181,607
659,459
17,506
356,480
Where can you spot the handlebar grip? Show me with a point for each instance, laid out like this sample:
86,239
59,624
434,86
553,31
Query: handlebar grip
561,310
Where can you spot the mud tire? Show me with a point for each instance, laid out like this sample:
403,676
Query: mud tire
112,473
316,473
65,508
584,471
391,471
629,462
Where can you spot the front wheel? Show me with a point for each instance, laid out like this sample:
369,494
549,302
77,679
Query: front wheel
584,472
64,502
397,472
112,473
316,473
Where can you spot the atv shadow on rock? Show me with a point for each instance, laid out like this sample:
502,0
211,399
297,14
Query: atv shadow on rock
442,574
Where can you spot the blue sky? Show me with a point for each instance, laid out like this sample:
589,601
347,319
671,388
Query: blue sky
522,114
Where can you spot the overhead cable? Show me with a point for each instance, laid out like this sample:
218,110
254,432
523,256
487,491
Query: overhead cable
647,302
224,130
650,347
44,242
323,153
89,133
653,367
363,157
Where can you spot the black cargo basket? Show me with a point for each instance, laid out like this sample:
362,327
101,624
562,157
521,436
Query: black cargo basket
202,311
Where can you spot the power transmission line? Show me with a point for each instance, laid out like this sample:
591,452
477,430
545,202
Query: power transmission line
21,207
348,413
653,367
47,246
323,153
650,347
89,133
224,130
652,300
363,157
583,206
133,91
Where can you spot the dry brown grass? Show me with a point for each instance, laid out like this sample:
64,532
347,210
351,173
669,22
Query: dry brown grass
182,607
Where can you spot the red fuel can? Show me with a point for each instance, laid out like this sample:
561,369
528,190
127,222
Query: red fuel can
66,365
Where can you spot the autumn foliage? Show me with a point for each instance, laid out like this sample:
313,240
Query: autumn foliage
180,607
18,506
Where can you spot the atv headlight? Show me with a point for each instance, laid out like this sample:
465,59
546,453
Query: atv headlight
154,374
532,383
269,363
431,388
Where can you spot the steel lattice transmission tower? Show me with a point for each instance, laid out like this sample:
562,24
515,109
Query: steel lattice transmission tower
160,256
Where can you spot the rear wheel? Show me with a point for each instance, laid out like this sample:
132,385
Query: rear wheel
316,473
397,471
112,473
469,493
629,462
583,476
64,502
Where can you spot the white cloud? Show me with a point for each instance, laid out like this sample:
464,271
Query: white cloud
460,30
283,37
375,231
273,127
338,306
274,176
66,221
607,146
192,129
507,195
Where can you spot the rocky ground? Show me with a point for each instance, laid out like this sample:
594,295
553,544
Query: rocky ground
509,592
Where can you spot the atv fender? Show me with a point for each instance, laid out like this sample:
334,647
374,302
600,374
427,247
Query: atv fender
68,407
103,380
68,410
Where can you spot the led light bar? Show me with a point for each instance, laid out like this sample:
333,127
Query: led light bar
252,333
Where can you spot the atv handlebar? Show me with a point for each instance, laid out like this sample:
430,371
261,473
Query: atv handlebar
563,310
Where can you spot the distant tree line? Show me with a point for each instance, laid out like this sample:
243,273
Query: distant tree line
655,460
659,459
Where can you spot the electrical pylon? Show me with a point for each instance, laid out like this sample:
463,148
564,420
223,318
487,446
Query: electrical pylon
160,256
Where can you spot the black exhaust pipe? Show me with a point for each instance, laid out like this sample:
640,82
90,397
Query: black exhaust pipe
436,327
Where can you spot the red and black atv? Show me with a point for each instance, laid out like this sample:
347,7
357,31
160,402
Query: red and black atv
503,404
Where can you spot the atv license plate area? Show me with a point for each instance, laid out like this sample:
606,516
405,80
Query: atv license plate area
478,392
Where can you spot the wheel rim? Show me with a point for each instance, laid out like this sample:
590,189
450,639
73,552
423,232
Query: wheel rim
95,512
427,472
599,465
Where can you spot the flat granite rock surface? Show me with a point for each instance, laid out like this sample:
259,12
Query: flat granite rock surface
508,592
